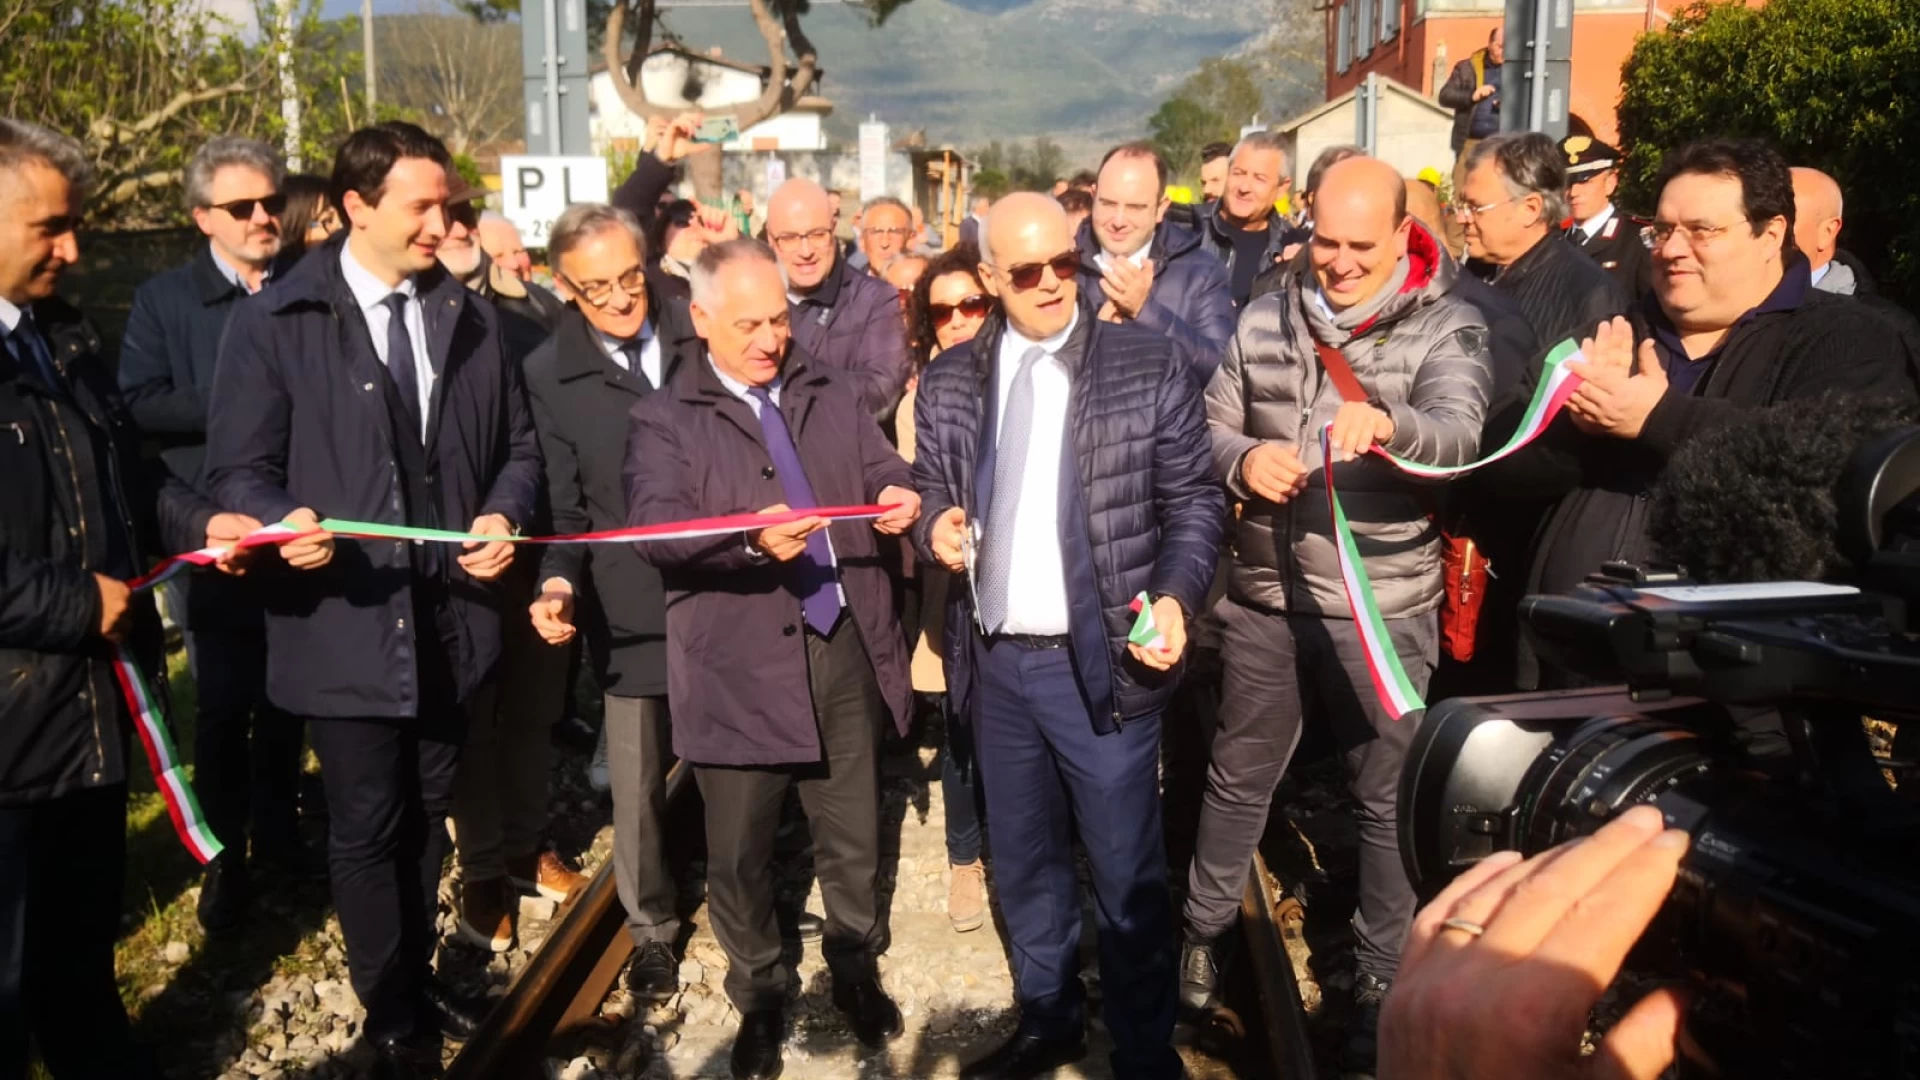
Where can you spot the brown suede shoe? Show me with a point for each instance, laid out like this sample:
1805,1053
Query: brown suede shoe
967,896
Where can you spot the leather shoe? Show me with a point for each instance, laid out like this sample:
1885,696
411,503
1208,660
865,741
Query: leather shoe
874,1016
224,893
456,1017
806,926
403,1059
756,1049
653,975
1028,1054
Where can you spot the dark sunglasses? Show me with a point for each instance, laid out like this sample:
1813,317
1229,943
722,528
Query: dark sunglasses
973,307
1026,276
242,209
465,213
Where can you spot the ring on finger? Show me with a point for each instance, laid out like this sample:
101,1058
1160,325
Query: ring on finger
1465,926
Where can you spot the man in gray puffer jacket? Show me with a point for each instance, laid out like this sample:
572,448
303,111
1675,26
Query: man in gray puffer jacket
1377,290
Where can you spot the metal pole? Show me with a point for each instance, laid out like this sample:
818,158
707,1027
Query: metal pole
551,14
289,89
1537,67
1373,112
366,47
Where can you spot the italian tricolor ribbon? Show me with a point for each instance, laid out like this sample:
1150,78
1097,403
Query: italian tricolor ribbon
149,717
1391,685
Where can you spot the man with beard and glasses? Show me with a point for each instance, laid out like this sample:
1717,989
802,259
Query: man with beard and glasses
246,754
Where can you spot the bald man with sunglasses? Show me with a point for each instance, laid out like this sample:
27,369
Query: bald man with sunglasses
1062,461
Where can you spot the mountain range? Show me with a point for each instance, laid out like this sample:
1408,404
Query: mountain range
1083,72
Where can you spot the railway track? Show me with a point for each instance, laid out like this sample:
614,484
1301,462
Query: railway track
559,995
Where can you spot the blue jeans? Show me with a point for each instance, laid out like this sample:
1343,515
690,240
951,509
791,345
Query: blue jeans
1046,770
960,791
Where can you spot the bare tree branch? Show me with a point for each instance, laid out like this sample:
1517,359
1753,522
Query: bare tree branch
106,131
785,83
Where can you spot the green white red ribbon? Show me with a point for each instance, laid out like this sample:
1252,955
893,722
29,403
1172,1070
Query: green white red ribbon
1391,685
149,718
1145,633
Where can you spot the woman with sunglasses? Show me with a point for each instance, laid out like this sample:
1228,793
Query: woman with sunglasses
948,308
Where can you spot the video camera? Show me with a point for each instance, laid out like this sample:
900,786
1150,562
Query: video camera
1797,910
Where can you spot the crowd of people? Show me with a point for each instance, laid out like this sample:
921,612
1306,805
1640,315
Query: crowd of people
1094,395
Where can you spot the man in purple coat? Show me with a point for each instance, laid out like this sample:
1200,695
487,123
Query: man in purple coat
844,319
782,645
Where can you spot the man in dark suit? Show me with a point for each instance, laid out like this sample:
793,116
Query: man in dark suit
782,646
1595,225
246,757
1064,464
78,518
614,347
370,385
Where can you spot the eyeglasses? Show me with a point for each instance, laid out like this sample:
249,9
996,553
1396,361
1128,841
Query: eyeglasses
898,234
794,241
973,307
1656,235
242,209
1465,210
599,293
1024,276
464,213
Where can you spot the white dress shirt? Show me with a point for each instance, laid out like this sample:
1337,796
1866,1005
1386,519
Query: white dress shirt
649,344
371,294
739,389
1594,224
1037,580
1138,258
1818,273
9,317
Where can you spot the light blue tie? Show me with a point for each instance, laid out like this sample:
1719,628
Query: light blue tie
1010,467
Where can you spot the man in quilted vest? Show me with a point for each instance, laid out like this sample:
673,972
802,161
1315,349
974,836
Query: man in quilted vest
1377,304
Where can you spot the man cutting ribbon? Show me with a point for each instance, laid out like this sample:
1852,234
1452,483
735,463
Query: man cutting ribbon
783,652
369,384
1371,347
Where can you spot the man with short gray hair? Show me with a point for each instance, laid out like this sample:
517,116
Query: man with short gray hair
783,651
616,345
76,524
1245,229
1510,208
246,753
885,231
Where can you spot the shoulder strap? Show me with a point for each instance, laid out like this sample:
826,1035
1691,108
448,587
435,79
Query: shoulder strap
1340,372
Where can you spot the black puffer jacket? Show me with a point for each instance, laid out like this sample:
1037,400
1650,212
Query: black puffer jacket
77,500
1146,513
1562,292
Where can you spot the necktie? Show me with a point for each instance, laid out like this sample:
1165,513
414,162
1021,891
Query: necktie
32,351
814,577
996,550
400,360
632,351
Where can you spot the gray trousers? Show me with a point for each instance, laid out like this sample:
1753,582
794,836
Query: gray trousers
1279,670
638,737
841,797
500,792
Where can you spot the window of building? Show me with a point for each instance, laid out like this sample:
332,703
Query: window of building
1389,19
1363,19
1342,37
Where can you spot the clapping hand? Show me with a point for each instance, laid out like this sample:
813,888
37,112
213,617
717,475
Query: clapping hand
1613,399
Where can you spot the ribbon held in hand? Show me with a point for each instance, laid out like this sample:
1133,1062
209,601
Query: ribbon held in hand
1391,685
149,719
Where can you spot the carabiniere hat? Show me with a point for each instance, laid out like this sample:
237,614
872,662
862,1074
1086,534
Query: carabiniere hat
1587,155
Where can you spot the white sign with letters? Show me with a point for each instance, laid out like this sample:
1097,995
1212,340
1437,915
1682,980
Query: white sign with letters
534,190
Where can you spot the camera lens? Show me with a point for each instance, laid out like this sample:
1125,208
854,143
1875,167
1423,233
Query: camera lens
1599,769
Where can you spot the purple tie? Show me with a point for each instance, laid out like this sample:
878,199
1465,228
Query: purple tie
814,578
